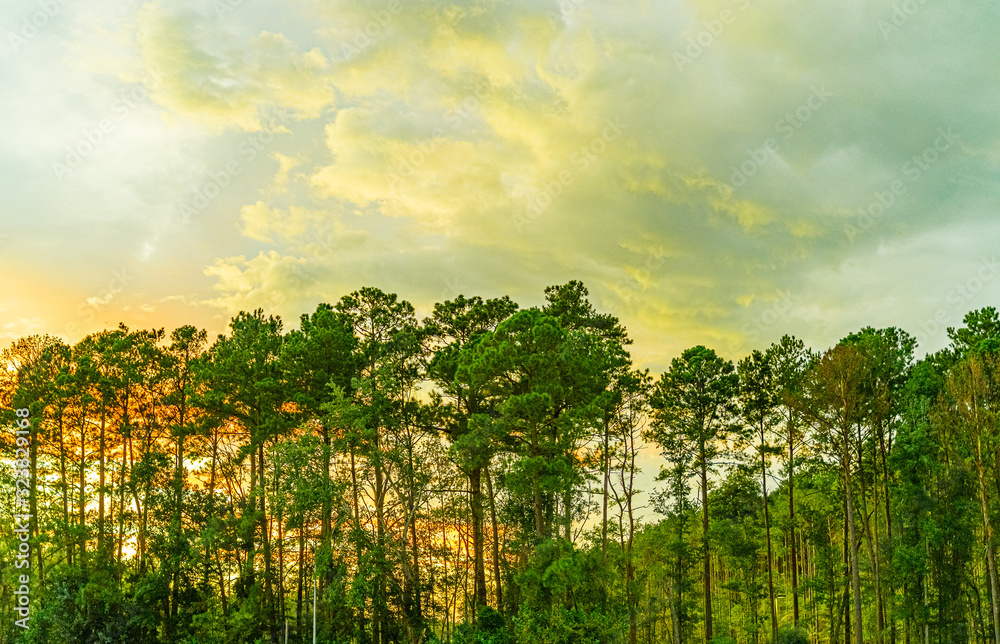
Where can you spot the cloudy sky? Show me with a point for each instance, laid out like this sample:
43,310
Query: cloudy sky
716,172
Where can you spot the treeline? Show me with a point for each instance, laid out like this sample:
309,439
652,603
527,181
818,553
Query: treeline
472,478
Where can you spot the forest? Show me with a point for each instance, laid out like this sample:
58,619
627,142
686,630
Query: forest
474,478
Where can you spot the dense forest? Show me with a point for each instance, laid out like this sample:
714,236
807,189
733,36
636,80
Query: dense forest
371,478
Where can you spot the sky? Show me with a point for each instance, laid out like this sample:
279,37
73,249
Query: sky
717,172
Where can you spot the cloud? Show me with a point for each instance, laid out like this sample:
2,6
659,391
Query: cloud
204,74
698,164
22,327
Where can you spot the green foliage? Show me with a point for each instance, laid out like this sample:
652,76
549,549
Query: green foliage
792,635
722,639
566,598
489,628
80,605
420,473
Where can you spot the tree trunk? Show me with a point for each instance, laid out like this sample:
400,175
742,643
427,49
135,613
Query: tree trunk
357,541
100,493
871,541
381,612
64,485
83,483
707,575
604,520
633,604
476,507
852,536
496,539
791,523
326,529
301,580
770,556
536,490
269,600
991,558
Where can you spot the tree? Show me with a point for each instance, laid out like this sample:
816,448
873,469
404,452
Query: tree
973,385
455,327
834,400
890,355
759,393
179,364
245,384
569,303
789,359
377,416
626,425
550,384
320,361
693,405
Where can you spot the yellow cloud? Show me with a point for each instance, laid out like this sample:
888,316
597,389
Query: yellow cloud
269,281
298,227
219,86
279,184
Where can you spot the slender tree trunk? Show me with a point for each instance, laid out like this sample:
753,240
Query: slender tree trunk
770,555
633,605
100,494
991,558
64,485
414,611
871,541
326,529
301,580
211,498
83,487
884,448
381,608
282,612
607,482
222,584
121,509
269,599
852,536
250,531
178,519
707,575
476,507
357,541
568,511
793,555
536,490
496,539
